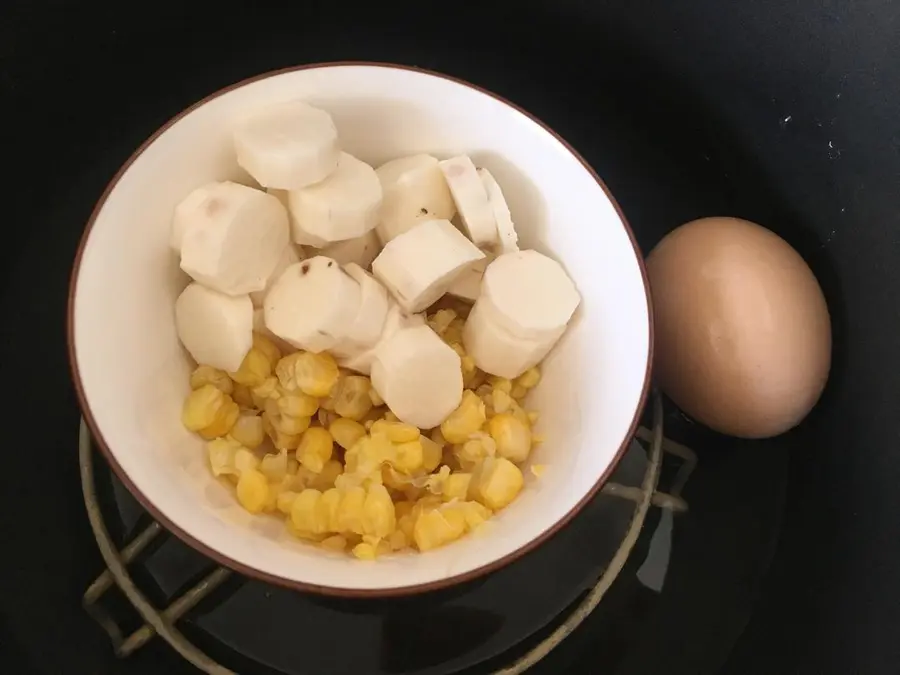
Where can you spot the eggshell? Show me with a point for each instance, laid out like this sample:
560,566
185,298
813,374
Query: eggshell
742,331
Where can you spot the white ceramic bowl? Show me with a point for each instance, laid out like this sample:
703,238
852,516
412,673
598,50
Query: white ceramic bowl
131,373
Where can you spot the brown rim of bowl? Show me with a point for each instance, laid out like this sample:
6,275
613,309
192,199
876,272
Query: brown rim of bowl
299,585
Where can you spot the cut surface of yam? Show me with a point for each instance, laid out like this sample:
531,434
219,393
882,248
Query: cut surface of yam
291,255
471,200
368,324
216,329
507,238
396,319
361,250
414,190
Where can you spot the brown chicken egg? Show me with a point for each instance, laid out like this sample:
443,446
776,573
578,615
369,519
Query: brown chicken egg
742,331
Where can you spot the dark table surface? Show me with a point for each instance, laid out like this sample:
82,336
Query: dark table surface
800,101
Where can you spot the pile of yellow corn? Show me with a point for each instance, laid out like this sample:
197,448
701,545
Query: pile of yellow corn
297,436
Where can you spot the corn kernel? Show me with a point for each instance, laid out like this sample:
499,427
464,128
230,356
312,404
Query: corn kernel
325,479
203,375
475,514
396,431
529,379
349,516
378,518
248,431
346,432
244,460
285,501
475,449
254,369
274,466
519,392
297,404
454,331
252,491
377,401
364,551
327,510
351,397
440,321
513,438
438,437
371,452
537,470
403,508
437,527
465,420
221,453
502,401
484,390
496,483
533,417
500,383
313,374
315,449
431,454
280,440
242,396
398,540
456,486
303,511
410,456
334,543
394,479
209,412
268,348
458,348
519,413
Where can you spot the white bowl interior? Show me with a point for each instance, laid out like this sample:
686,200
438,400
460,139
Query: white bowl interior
134,372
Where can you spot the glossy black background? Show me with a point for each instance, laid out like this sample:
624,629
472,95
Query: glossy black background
799,100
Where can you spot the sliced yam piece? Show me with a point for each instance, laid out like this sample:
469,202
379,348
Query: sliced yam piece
530,295
216,329
414,190
233,238
396,319
496,351
471,200
291,255
259,326
360,250
345,205
467,286
508,239
368,325
419,376
186,211
298,235
421,264
287,145
313,304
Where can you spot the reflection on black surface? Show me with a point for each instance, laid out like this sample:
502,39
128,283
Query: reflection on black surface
416,640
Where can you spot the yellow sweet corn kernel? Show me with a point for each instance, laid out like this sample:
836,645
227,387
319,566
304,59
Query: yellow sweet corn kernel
364,551
438,527
327,509
449,459
537,470
440,321
465,420
252,491
248,431
285,501
431,454
378,519
303,511
513,438
476,448
533,417
529,379
243,397
286,424
475,514
398,540
519,392
204,375
315,449
501,401
519,413
267,347
326,478
268,388
221,453
346,432
335,543
326,418
496,482
244,460
458,348
371,452
394,479
397,432
254,369
403,508
438,437
297,404
390,417
349,517
280,440
274,466
501,383
209,409
456,486
454,331
351,397
377,401
409,457
313,374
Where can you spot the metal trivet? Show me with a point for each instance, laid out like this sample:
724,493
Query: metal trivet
163,622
